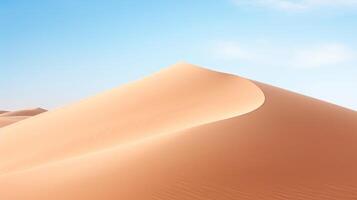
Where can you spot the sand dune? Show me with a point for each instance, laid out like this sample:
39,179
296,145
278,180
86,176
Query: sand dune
28,112
171,100
184,133
7,117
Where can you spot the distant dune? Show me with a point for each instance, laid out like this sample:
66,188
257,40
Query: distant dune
7,117
28,112
184,133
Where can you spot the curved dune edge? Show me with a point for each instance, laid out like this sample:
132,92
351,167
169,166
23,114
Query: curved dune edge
194,96
283,150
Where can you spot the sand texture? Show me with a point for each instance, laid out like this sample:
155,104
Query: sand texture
184,133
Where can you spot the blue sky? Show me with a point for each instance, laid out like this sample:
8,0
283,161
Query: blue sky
57,52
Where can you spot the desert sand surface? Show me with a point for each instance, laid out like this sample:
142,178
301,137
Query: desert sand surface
184,133
10,117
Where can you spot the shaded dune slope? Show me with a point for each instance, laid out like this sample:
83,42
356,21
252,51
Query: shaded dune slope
290,147
10,117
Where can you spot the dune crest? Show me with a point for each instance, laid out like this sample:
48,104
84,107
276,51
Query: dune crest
285,146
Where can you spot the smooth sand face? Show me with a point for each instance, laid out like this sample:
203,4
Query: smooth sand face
290,147
7,117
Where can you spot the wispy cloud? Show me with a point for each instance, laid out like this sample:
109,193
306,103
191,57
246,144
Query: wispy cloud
296,5
304,57
229,50
322,55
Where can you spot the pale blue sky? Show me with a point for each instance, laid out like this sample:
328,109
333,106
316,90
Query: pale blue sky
56,52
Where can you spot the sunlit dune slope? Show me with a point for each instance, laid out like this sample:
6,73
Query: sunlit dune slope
289,147
7,117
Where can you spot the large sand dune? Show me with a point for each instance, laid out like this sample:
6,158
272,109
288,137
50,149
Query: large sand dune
10,117
184,133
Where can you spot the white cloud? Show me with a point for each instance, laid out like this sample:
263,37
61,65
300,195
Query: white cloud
307,56
230,51
296,5
322,55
